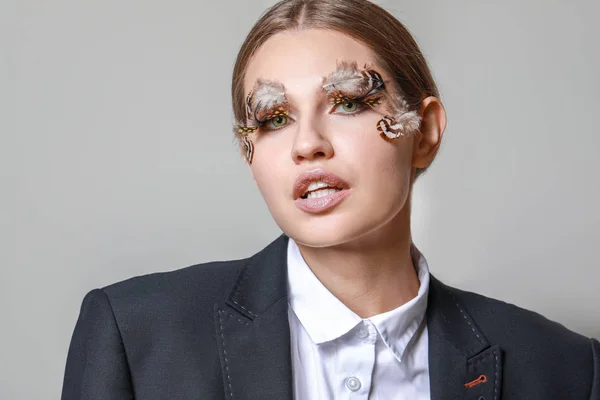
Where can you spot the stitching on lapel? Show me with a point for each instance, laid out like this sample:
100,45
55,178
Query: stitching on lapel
496,367
225,354
462,312
231,315
245,309
238,287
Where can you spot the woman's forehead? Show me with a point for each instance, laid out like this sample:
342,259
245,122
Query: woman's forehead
303,60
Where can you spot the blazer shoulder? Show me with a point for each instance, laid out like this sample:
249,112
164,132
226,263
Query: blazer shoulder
506,320
199,274
201,284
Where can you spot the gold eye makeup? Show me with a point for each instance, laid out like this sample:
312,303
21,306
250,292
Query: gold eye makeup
348,84
350,90
265,104
267,101
353,81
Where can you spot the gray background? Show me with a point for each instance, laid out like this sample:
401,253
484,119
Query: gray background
117,159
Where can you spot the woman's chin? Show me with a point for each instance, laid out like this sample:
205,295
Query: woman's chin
372,224
325,235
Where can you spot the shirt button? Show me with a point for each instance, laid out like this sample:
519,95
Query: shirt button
362,332
353,384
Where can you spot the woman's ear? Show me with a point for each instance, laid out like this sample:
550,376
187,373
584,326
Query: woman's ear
433,124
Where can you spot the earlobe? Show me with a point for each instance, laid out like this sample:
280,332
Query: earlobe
433,124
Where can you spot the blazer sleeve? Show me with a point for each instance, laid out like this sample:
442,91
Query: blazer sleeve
97,366
595,395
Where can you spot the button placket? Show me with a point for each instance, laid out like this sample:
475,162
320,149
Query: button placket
355,357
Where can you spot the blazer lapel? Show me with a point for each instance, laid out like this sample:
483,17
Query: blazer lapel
253,337
462,363
252,329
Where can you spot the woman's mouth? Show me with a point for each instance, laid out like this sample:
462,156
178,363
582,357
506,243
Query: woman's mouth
318,191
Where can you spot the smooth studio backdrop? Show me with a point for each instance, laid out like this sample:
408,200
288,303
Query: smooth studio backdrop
117,157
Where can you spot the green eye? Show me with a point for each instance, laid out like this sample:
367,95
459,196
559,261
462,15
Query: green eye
349,106
278,121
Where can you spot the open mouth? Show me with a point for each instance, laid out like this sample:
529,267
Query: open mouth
319,189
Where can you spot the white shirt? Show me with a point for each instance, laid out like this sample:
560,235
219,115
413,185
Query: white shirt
338,355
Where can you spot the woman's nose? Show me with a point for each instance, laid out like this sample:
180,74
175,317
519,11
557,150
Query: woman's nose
311,143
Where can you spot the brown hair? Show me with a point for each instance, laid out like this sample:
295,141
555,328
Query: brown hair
366,22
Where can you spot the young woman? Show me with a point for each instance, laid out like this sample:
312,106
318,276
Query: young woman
337,115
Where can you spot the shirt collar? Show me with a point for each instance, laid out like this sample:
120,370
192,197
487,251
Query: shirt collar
322,314
398,326
326,318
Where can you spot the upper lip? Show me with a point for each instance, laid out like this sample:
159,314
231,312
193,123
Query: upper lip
306,178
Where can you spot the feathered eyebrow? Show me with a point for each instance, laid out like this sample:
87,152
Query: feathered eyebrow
347,78
350,79
265,96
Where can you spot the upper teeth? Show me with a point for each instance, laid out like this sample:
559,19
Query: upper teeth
316,185
313,190
321,193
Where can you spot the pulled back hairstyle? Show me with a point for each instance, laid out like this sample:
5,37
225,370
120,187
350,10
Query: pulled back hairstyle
393,45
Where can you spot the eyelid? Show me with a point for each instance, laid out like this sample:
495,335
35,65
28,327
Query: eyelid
362,105
265,124
379,90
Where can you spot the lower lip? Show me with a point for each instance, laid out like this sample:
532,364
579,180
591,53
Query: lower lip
319,205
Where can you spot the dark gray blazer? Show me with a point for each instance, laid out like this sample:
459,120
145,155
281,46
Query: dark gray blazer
220,331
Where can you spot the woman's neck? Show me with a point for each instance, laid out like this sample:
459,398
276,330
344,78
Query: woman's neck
370,275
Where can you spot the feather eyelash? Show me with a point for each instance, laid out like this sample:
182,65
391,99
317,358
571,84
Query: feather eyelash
267,97
249,146
266,101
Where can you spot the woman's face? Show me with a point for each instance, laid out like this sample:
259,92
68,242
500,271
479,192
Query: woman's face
323,144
